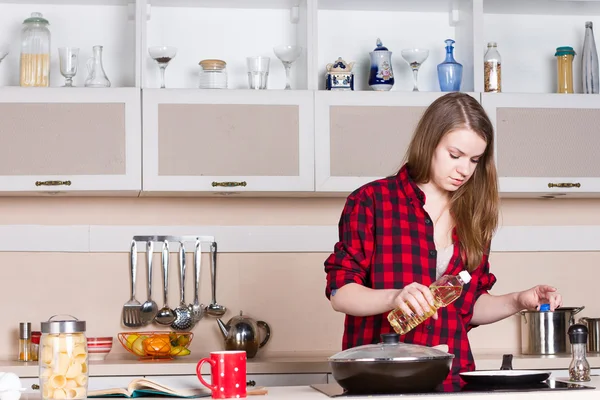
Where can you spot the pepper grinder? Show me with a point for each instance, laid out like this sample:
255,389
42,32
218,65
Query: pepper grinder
579,369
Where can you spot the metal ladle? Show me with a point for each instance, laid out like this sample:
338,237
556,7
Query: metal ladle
196,308
149,307
214,309
183,317
165,315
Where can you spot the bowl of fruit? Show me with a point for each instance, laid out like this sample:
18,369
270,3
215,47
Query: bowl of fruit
156,345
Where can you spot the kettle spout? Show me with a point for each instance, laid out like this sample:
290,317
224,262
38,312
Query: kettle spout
223,327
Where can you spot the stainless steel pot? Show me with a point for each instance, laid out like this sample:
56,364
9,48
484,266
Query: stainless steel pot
390,367
545,332
593,325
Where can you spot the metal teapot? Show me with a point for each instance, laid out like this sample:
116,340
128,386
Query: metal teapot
241,333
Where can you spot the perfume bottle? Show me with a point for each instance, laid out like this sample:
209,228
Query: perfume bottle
589,61
450,71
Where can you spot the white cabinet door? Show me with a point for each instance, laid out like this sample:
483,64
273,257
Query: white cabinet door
363,136
546,144
71,140
214,141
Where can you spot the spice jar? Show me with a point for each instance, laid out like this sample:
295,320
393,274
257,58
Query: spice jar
35,51
35,344
564,59
492,69
213,74
25,341
63,359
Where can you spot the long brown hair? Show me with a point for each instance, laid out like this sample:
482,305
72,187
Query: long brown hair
474,206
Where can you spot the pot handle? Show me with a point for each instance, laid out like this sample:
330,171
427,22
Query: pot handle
267,328
507,362
578,309
575,311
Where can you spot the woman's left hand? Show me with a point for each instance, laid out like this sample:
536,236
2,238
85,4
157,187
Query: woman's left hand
542,294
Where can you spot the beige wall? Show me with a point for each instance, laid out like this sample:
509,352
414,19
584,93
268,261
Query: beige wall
284,289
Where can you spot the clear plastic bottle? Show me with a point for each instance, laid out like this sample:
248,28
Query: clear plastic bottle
492,69
579,369
445,290
35,52
589,61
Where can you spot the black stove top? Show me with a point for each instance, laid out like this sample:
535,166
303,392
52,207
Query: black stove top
335,390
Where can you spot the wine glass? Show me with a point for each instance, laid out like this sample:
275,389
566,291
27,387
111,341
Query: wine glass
287,54
162,55
414,58
68,60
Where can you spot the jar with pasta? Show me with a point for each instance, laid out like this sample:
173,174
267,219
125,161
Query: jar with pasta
63,359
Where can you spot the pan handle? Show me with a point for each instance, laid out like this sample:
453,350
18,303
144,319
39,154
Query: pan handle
507,362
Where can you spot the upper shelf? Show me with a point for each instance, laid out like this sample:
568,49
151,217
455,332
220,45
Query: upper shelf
542,7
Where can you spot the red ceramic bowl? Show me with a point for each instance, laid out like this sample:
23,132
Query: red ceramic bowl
99,347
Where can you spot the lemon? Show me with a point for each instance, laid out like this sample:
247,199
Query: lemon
179,351
183,340
130,339
138,346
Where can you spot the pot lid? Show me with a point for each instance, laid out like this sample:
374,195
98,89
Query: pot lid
390,349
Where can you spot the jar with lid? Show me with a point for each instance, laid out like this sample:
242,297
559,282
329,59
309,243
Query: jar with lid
35,344
492,69
213,74
564,69
63,359
35,52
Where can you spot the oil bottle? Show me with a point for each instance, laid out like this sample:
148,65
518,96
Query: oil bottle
445,290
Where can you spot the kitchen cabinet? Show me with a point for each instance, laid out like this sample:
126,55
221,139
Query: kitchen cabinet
546,144
238,141
70,140
360,137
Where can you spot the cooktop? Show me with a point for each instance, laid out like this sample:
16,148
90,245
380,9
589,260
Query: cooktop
335,390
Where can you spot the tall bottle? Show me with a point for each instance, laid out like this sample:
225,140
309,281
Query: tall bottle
589,61
492,80
445,290
450,71
35,51
25,341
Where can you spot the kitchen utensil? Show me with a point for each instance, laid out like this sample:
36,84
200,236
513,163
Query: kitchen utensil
593,325
544,332
390,367
242,333
149,308
165,315
214,309
196,308
131,310
183,317
505,376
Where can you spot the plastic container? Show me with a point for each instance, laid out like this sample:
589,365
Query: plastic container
213,74
63,359
35,52
445,290
564,68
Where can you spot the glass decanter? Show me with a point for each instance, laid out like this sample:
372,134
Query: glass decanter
96,76
450,71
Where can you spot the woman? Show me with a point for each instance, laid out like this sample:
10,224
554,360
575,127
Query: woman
436,216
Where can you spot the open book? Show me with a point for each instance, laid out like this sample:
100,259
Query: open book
146,388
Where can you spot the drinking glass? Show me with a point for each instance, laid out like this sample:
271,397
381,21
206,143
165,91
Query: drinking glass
287,54
68,58
414,58
258,72
162,55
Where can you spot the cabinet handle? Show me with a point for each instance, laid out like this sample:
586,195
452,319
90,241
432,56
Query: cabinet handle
35,386
564,185
229,184
53,183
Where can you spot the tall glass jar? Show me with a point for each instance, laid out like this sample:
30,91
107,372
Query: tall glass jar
35,51
63,359
564,68
492,79
213,74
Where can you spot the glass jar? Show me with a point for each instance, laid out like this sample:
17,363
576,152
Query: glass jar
492,79
63,359
564,62
35,52
25,341
35,344
213,74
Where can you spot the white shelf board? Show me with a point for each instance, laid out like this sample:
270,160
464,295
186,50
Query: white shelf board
386,5
71,2
542,7
240,4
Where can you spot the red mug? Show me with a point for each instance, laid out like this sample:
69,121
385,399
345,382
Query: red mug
228,374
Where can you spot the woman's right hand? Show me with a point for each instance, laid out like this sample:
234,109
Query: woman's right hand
418,296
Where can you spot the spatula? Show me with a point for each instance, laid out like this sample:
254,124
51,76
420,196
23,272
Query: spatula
132,309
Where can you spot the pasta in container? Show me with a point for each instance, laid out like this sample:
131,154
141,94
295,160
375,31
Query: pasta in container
63,359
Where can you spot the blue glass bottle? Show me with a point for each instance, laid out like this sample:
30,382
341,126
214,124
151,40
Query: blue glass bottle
449,71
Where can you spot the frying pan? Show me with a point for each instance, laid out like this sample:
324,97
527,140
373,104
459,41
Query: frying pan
505,376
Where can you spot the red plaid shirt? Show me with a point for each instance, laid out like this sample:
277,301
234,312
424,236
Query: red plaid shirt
386,242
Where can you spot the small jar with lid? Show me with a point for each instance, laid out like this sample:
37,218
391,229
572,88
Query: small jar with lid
213,74
63,359
564,69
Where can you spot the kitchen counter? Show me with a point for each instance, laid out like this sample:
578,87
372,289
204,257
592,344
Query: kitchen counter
126,365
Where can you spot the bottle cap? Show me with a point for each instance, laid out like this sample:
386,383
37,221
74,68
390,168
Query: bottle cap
545,307
25,330
465,276
578,334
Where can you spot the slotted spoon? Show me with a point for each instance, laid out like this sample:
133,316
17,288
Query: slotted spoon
132,309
